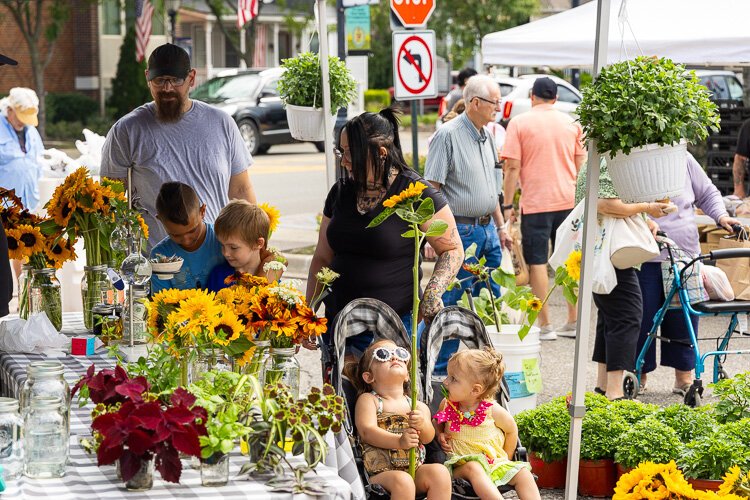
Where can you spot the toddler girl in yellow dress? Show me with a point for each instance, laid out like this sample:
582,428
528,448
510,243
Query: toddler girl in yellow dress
477,433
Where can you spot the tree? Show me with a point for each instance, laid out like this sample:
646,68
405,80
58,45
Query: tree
380,70
129,89
290,8
468,21
37,25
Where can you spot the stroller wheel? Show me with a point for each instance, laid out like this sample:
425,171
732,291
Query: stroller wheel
723,375
630,385
693,397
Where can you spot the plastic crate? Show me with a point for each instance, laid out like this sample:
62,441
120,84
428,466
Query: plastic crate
719,158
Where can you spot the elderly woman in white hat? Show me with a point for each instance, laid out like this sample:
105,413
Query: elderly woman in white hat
20,145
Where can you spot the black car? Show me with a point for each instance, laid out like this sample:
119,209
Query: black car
251,98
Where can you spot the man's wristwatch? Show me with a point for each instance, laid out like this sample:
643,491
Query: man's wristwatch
506,207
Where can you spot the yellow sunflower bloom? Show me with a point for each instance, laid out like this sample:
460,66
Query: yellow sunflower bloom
32,238
273,216
59,250
414,190
573,265
730,479
535,304
16,248
228,327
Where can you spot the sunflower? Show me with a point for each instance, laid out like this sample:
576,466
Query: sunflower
414,190
535,304
16,248
730,479
142,224
273,217
32,238
59,250
573,265
60,208
228,326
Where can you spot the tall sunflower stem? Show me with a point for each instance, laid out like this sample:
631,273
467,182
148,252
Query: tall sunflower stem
414,351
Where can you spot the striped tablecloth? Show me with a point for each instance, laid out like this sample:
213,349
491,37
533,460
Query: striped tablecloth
84,479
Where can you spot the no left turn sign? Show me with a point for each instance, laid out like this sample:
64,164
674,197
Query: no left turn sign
414,65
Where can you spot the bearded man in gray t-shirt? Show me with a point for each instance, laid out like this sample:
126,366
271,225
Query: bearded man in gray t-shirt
175,138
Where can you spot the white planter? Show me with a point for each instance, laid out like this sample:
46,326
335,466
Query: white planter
649,173
305,123
515,353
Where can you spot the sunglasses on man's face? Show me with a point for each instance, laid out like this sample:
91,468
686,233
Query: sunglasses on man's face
384,354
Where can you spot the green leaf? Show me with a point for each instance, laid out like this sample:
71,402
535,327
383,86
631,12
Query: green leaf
426,209
471,251
437,228
503,278
408,234
409,215
381,217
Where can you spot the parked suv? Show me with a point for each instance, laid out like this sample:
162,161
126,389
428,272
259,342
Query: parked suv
251,98
516,96
723,85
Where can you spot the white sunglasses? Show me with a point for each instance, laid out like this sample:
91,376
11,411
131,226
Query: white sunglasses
383,354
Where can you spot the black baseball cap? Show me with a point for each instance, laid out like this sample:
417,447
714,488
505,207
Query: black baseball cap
546,88
168,60
7,60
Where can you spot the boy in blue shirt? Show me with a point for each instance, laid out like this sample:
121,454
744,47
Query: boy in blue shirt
189,236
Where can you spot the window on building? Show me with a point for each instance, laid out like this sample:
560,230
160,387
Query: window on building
111,17
231,56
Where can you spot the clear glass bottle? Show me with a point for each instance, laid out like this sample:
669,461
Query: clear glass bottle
24,291
95,289
11,439
45,439
46,379
140,316
282,366
45,295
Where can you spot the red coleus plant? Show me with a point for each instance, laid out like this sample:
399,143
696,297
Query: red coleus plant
142,429
110,386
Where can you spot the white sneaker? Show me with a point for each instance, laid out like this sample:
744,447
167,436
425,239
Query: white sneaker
567,330
546,333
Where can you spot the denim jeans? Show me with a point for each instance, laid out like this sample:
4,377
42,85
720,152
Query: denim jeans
488,246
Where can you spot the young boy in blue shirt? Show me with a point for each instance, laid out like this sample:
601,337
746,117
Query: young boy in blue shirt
189,236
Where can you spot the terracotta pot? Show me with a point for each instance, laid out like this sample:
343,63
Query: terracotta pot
550,475
620,470
705,484
597,478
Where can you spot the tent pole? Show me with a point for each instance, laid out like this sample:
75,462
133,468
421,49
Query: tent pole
577,407
327,124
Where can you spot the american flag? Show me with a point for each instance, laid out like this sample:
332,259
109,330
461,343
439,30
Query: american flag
259,54
143,29
247,10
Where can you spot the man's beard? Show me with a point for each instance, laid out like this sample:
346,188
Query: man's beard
169,111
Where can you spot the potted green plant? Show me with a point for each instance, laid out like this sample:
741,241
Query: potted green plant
734,398
705,460
648,440
689,423
301,89
544,431
601,430
632,411
642,112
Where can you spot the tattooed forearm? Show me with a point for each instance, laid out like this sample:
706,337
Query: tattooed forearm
446,268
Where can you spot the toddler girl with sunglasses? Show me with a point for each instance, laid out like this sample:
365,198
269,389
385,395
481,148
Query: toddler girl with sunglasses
478,434
388,428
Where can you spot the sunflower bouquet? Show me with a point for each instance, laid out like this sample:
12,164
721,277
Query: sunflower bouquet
92,210
39,249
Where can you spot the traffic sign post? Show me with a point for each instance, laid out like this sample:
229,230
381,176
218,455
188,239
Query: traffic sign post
414,65
413,13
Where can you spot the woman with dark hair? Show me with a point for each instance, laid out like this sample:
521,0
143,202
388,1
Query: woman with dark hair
377,262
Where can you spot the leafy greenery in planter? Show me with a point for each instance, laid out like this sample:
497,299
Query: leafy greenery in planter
302,85
600,433
710,457
648,440
645,101
738,430
632,411
689,423
544,430
734,398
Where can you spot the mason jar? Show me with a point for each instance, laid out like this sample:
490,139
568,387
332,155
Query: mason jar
282,367
11,439
140,316
45,295
95,289
24,291
46,379
45,439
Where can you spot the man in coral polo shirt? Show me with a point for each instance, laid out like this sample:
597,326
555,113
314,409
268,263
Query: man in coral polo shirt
544,151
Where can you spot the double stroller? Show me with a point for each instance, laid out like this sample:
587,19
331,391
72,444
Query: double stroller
375,317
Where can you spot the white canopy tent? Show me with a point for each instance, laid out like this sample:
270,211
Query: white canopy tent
698,32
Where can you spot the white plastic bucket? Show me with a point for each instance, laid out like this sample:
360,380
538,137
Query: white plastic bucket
649,173
520,356
305,123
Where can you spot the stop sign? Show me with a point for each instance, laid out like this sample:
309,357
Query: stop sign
413,13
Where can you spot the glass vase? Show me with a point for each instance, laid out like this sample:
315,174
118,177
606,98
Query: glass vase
24,291
215,470
205,362
11,435
256,364
45,439
45,295
282,367
95,289
143,479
